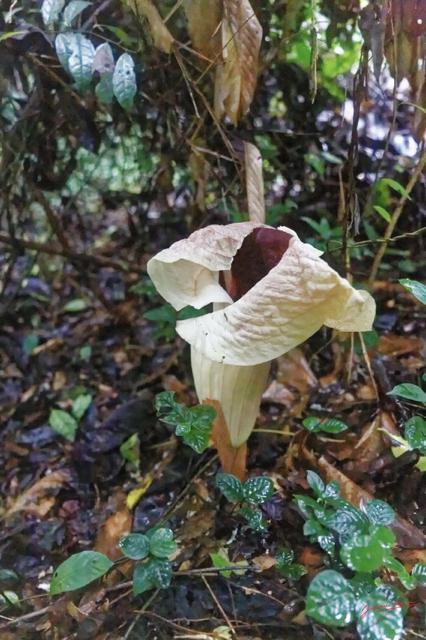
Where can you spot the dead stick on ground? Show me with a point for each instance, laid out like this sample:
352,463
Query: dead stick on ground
395,217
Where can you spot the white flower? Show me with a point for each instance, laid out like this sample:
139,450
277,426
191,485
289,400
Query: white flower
270,292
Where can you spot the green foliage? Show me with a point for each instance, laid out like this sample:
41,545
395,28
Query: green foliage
192,424
287,568
249,494
124,81
65,423
79,570
359,544
327,425
417,289
129,450
409,391
415,433
135,546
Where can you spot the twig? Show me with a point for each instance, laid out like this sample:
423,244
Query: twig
219,606
25,617
54,250
395,217
140,613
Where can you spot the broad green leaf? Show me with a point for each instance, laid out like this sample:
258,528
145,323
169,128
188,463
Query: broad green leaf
379,512
80,405
417,289
306,504
63,423
285,557
75,306
380,618
407,580
150,574
80,61
129,449
79,570
254,519
135,546
367,552
230,487
64,43
408,391
50,10
332,492
415,433
162,544
327,542
73,10
328,425
330,599
124,81
346,520
315,482
396,186
419,573
258,490
383,212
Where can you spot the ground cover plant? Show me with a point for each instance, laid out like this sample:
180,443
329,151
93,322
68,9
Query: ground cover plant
246,177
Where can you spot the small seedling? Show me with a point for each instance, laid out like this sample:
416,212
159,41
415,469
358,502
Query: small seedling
249,495
192,424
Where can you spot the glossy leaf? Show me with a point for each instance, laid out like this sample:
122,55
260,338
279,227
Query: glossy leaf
153,573
419,572
79,570
417,289
409,391
230,487
50,10
162,544
135,546
330,425
254,518
315,482
258,490
124,81
63,423
80,405
380,618
415,433
379,512
80,61
330,599
73,10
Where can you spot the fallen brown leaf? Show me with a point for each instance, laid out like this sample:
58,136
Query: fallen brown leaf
36,498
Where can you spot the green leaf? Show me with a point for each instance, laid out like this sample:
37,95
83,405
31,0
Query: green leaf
327,543
383,212
63,423
73,10
408,392
135,546
193,424
254,518
330,599
258,490
407,580
315,482
332,492
328,425
80,405
419,573
380,618
162,544
367,552
396,186
130,449
230,487
79,570
346,520
415,433
80,61
103,90
50,10
64,43
379,512
124,81
29,343
285,558
417,289
151,574
75,306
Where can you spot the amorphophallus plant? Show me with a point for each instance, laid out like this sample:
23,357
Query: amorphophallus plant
270,292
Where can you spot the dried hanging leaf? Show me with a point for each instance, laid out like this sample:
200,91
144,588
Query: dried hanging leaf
161,36
373,26
204,17
236,77
254,183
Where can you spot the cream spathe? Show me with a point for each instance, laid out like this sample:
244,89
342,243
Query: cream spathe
284,308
